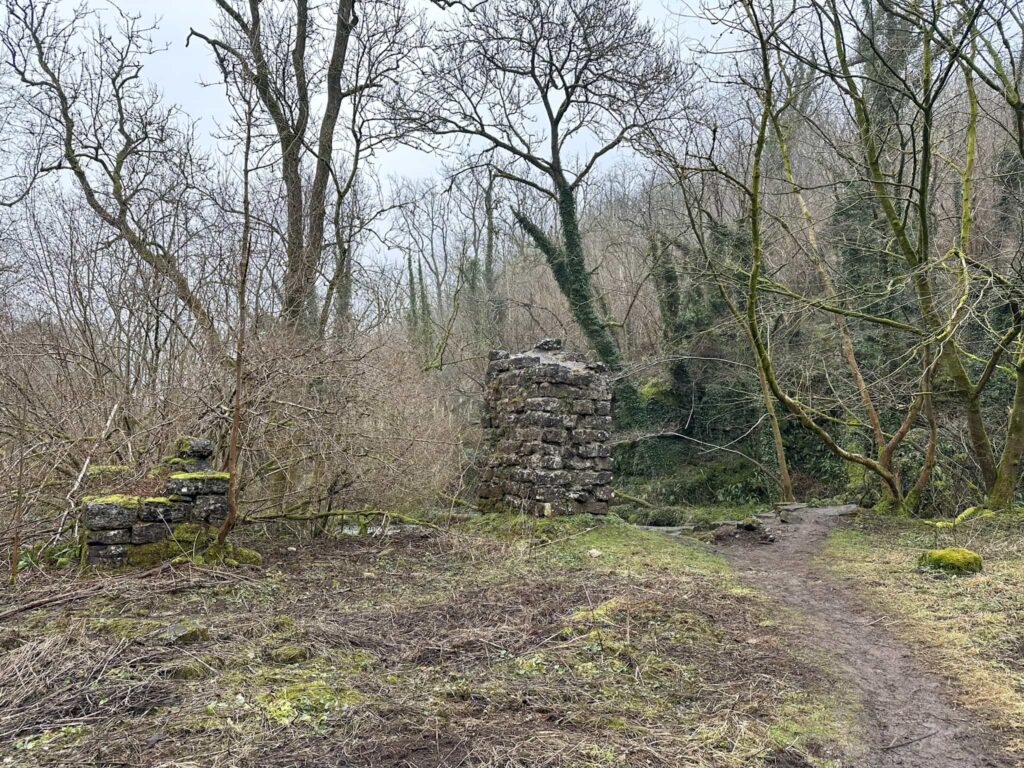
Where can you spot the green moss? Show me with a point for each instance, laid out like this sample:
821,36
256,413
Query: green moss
658,390
283,623
192,543
157,500
182,444
600,613
171,462
185,541
307,702
891,506
185,633
209,475
952,559
125,628
231,555
288,654
128,502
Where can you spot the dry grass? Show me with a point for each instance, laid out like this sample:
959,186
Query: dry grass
969,628
571,644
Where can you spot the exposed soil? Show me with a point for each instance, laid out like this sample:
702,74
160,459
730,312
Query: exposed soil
909,717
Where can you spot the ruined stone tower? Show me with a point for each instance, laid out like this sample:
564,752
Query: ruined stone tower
546,419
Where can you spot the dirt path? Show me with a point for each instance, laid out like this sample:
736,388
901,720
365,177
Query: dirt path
909,717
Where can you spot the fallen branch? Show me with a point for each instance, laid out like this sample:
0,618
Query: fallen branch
67,597
634,499
343,513
902,744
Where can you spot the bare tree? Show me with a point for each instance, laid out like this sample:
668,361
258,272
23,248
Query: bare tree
94,117
296,56
551,87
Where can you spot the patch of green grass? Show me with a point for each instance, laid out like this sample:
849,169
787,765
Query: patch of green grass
967,627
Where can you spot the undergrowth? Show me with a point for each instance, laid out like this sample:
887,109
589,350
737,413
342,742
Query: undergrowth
507,641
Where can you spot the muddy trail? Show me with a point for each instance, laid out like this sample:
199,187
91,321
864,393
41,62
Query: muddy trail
909,717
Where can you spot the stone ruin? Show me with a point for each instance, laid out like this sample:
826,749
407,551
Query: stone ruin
546,427
118,526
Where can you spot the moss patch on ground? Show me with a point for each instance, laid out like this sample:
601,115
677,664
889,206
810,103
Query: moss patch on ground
193,543
969,628
955,560
504,641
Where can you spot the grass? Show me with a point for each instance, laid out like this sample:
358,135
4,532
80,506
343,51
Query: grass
507,641
968,627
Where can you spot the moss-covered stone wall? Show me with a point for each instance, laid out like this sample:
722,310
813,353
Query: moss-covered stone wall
118,526
546,425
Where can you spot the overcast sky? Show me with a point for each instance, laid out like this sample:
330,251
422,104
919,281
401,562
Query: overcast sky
179,71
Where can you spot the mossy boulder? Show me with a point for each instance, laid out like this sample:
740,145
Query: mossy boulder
193,448
231,555
955,560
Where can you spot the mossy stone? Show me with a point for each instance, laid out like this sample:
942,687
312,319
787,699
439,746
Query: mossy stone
129,502
952,560
197,483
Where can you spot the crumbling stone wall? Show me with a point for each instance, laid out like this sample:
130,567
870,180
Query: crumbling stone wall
119,527
546,424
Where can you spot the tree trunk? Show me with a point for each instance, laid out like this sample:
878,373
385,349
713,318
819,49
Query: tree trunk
1003,491
570,271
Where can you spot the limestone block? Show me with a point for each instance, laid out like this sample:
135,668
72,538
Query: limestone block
106,554
147,533
110,512
197,483
118,536
165,510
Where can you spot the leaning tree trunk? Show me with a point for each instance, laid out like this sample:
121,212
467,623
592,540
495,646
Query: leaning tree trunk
569,268
1003,491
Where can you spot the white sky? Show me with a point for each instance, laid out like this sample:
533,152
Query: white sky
179,71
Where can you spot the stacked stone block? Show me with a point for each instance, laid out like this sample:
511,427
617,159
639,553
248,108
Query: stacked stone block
115,524
547,417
